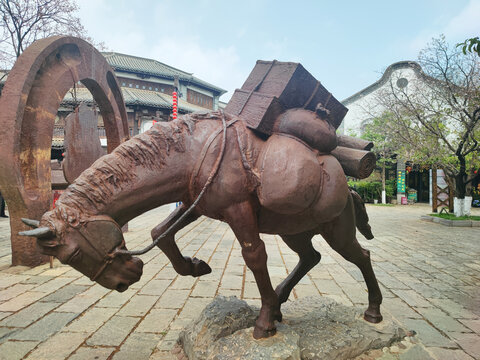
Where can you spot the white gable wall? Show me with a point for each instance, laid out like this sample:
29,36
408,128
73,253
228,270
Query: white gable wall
363,105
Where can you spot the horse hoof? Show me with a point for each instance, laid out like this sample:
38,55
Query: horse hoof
263,333
373,318
200,267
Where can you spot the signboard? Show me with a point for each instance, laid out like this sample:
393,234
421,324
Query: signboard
401,181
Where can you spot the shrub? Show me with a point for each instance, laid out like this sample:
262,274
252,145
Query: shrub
390,189
369,191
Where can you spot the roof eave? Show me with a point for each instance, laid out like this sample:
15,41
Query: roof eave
377,84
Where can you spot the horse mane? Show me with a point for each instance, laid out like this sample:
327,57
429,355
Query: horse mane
114,172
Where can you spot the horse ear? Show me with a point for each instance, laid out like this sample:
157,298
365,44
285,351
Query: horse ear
30,222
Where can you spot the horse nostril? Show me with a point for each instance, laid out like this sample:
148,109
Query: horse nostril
138,263
121,287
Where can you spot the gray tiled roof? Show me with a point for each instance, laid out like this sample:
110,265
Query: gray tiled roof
134,64
133,96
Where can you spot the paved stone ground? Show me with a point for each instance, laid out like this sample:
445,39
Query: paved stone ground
429,275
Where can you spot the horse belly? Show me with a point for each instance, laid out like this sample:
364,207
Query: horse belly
290,176
328,204
334,193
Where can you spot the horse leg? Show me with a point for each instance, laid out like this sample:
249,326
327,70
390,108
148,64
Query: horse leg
308,258
183,265
242,219
340,235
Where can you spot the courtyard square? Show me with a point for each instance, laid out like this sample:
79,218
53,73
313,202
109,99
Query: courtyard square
429,275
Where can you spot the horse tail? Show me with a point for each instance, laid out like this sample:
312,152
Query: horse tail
361,216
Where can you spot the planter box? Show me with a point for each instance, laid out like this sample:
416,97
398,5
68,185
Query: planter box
451,223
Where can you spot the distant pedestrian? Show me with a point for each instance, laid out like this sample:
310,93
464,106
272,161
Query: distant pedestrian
2,207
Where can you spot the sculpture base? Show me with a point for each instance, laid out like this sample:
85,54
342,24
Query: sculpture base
313,328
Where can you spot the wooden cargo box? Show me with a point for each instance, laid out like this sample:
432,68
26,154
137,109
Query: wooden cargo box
275,86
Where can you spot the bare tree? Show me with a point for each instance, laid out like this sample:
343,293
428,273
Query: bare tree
436,118
24,21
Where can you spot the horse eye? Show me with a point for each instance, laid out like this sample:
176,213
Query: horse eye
51,243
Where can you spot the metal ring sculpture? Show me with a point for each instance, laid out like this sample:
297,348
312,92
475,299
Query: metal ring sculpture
29,103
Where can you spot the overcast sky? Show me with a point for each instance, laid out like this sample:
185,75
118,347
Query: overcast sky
344,44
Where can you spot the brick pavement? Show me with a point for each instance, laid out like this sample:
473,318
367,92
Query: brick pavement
429,275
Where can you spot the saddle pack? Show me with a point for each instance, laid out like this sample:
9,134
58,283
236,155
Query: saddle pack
284,98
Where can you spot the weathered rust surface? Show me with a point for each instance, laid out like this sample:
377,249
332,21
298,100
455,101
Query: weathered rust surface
275,86
30,99
277,186
357,163
82,144
309,127
214,163
354,143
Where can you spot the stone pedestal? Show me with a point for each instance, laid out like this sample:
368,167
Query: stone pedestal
313,328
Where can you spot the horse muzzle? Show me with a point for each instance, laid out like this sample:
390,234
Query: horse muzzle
123,275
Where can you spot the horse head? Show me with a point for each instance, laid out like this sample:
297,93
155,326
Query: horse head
90,246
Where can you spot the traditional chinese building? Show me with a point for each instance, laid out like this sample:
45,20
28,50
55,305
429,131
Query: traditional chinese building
147,86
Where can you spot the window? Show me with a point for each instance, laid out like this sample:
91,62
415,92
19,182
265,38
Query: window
149,88
136,86
402,82
143,87
162,89
123,84
156,89
129,85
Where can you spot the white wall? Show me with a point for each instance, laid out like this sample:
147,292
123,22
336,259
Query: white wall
364,106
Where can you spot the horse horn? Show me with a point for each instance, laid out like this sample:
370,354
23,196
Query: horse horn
30,222
39,232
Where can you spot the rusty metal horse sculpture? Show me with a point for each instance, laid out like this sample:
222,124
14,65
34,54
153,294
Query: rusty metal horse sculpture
276,186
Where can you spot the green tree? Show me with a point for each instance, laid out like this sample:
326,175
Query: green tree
376,130
470,45
435,119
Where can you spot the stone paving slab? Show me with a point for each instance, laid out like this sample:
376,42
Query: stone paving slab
429,275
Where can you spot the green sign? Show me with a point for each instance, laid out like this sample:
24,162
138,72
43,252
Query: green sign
401,181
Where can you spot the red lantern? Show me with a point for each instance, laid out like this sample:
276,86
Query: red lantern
174,106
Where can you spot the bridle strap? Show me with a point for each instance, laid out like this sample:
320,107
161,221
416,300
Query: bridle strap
108,258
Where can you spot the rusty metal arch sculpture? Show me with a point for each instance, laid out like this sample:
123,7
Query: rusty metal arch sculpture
29,103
